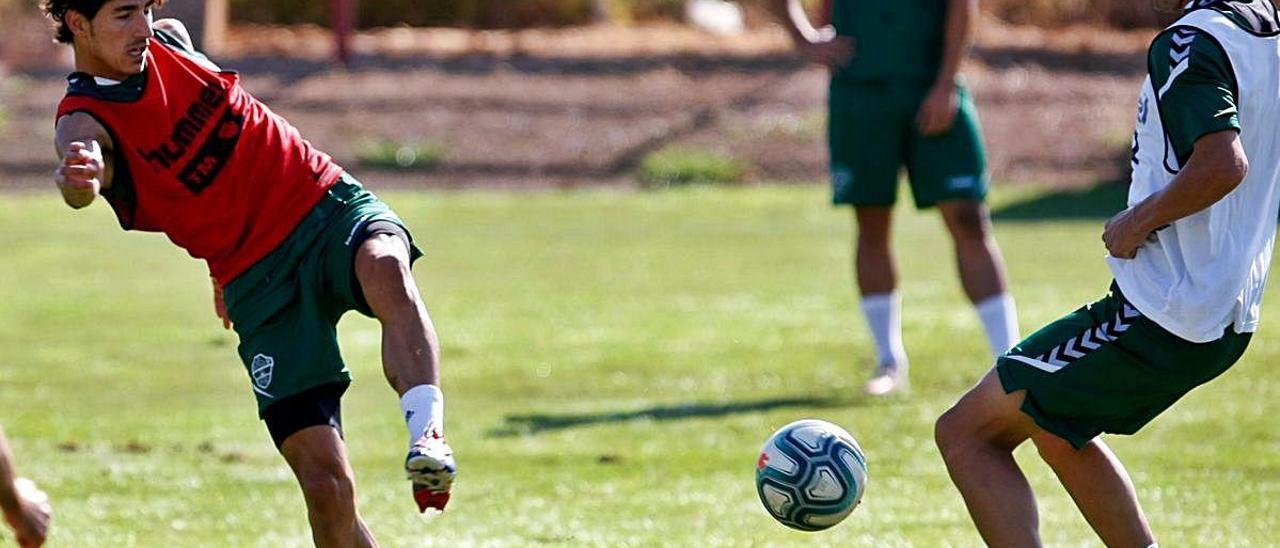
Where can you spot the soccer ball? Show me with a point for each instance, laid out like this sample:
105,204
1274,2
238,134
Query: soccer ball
810,475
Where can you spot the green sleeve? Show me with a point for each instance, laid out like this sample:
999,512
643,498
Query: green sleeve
1195,87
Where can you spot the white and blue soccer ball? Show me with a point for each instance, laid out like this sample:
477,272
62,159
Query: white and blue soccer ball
810,475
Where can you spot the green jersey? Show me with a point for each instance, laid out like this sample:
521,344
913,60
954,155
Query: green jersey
893,39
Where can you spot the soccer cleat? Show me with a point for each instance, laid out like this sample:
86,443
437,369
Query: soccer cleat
431,468
888,379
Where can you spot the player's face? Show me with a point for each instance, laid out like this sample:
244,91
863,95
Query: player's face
117,38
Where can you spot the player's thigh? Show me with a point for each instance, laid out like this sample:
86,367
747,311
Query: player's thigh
950,166
986,413
370,239
865,133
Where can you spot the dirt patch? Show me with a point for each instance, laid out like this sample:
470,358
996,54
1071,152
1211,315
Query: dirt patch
575,107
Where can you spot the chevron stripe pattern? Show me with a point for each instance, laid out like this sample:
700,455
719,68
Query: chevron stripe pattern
1081,345
1180,49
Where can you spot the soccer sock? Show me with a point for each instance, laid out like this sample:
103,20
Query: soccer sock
423,407
1000,320
884,317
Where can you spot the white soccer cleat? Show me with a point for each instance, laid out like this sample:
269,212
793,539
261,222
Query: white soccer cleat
431,468
888,379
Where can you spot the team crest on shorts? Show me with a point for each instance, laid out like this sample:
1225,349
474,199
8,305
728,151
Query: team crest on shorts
261,369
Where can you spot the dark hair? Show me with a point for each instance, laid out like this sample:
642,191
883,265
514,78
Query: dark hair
57,11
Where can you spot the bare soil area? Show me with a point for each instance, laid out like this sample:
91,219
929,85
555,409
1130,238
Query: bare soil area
562,108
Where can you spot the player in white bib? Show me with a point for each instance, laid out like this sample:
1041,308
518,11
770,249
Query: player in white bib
1190,257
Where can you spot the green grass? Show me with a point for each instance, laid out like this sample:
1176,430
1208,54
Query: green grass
613,362
405,156
677,166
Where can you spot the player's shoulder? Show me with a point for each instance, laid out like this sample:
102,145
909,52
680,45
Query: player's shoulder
172,32
1188,44
1256,17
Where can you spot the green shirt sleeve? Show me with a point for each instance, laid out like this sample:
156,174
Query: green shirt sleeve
1195,87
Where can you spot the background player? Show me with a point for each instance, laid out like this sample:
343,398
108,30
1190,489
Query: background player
1190,258
177,146
895,101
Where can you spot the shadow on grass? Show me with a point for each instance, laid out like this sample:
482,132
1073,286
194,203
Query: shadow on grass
536,423
1097,202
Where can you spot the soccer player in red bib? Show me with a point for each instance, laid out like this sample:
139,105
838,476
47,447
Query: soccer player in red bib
175,145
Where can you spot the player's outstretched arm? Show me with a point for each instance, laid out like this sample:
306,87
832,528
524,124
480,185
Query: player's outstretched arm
80,142
26,509
819,45
1216,167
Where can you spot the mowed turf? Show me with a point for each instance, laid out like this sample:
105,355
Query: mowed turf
612,363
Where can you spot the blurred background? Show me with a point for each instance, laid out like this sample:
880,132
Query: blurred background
604,92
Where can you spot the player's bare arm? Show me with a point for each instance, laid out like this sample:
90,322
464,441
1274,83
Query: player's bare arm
818,45
26,509
1216,167
938,111
83,146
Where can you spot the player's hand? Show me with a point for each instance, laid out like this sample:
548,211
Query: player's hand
828,49
80,174
31,522
1124,234
938,111
220,305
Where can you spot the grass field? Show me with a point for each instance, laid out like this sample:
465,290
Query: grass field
613,362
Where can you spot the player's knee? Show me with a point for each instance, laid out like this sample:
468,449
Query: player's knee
328,488
950,435
1053,449
967,223
382,265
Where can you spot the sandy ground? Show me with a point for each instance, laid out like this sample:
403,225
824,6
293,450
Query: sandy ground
583,106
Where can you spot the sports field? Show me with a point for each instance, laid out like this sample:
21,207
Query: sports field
613,361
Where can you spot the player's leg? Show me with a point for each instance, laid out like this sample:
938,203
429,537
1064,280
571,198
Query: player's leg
410,347
1101,488
949,171
318,458
865,135
410,358
881,305
977,437
982,271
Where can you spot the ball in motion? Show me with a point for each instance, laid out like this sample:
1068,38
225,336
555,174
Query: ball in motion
810,475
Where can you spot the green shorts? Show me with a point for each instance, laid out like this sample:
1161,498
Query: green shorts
1108,368
872,133
286,306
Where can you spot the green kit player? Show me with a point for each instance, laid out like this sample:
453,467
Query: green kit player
895,102
1190,257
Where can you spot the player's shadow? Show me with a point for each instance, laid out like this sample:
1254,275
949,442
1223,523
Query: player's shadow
1100,201
537,423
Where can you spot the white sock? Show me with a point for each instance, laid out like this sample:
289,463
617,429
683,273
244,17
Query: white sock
1000,320
423,407
883,312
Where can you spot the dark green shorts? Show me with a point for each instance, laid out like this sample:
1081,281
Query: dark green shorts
872,133
1108,368
286,306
